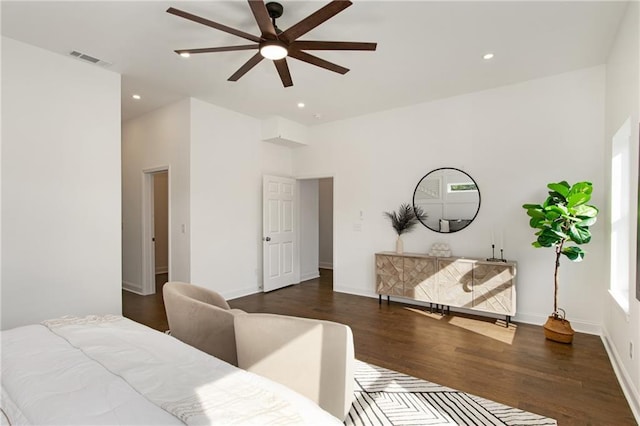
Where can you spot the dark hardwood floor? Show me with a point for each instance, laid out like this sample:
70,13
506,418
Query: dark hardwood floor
147,310
575,384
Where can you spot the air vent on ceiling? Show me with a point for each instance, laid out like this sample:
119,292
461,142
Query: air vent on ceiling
88,58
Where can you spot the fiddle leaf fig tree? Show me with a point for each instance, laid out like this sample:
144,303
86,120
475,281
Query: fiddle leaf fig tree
563,219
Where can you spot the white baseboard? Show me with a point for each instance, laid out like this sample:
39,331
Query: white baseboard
585,327
309,275
325,265
352,290
579,326
533,319
630,392
241,293
133,288
162,269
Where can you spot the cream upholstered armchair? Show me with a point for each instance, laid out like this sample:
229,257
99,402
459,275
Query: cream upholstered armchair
313,357
201,318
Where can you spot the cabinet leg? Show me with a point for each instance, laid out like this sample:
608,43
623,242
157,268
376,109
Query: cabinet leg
379,299
508,320
388,299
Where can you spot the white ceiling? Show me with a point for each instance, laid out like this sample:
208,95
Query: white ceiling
426,50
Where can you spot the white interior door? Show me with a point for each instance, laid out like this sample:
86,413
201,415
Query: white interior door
279,227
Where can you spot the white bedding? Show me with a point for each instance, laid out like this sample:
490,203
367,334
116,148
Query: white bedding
113,371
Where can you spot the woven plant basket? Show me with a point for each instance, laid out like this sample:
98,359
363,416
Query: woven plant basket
558,329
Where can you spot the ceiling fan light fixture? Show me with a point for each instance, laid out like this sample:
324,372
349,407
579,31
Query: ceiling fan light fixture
273,49
276,45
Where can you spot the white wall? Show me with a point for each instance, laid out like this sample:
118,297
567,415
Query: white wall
60,187
325,195
309,229
512,140
158,139
227,163
622,102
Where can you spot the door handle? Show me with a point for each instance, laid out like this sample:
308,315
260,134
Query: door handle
267,238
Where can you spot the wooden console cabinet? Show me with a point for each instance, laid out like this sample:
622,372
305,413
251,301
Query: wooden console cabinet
476,284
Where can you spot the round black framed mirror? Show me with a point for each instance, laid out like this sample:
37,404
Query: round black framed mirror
449,199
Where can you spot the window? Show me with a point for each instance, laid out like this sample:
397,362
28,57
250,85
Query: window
462,187
620,215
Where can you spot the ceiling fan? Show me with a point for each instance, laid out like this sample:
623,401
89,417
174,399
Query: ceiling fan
276,44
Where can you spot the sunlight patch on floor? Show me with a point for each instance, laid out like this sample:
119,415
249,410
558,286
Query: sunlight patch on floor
432,315
494,330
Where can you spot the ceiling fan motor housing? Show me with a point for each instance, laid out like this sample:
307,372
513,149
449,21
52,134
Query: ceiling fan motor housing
275,9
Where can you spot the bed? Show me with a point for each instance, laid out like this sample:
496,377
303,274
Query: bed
108,370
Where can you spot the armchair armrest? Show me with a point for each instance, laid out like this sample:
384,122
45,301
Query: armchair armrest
313,357
201,318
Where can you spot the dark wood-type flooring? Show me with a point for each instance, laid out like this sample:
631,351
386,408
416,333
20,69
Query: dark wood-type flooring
147,310
575,384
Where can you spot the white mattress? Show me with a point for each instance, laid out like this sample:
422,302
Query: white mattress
113,371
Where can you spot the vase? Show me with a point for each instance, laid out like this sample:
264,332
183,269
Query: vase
558,329
399,245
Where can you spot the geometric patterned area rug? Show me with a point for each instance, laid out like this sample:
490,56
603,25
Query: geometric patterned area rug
386,397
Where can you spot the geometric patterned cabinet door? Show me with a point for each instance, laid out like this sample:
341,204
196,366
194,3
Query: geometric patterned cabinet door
468,283
493,289
389,273
420,278
454,283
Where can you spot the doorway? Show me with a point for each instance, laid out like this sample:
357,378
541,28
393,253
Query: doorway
316,228
156,239
161,225
146,304
325,223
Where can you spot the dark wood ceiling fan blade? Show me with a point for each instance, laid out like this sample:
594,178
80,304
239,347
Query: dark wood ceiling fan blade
255,59
263,20
283,70
208,23
217,49
314,60
315,19
332,45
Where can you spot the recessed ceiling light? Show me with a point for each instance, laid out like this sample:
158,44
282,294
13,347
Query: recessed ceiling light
185,54
300,104
136,97
488,56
